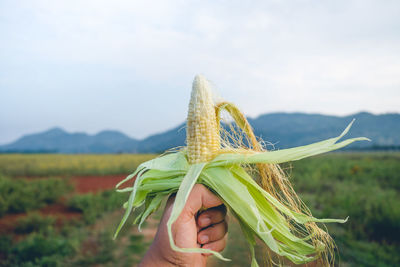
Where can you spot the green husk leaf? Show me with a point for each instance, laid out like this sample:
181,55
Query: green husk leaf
299,218
242,201
249,235
285,155
153,206
169,162
237,197
130,177
130,202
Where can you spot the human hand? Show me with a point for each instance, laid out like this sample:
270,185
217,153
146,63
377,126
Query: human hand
206,230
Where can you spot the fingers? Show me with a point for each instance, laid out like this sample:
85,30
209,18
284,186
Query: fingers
211,216
213,233
217,246
201,197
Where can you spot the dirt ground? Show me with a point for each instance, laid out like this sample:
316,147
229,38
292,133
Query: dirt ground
94,184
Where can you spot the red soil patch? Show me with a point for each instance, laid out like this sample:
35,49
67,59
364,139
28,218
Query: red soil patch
82,185
9,221
94,184
61,212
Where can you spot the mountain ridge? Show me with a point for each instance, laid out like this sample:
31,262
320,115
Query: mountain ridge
282,129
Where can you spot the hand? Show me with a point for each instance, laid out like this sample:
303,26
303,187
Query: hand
206,230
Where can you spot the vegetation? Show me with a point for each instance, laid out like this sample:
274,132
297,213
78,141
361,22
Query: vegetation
363,186
66,165
34,222
23,195
74,243
27,185
41,250
93,206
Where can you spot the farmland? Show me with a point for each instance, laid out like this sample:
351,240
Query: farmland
61,210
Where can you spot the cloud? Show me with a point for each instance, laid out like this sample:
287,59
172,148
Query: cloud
128,65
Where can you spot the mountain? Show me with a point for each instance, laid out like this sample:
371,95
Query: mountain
283,130
160,142
294,129
56,140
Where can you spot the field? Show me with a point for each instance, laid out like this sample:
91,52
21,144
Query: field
61,210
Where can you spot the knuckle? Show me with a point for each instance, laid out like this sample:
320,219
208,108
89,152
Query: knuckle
217,231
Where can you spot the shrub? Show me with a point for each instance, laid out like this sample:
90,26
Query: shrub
94,205
20,195
5,244
3,206
39,250
101,253
34,222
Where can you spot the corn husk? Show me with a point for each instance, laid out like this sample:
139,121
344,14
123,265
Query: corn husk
261,210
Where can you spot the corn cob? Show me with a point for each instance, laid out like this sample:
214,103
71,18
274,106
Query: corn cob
202,131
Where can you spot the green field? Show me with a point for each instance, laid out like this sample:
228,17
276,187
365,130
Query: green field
65,165
363,186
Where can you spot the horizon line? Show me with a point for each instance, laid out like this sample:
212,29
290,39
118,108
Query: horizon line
172,127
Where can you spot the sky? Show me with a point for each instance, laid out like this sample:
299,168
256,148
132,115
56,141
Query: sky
128,65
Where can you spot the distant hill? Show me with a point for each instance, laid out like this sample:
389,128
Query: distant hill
56,140
281,129
294,129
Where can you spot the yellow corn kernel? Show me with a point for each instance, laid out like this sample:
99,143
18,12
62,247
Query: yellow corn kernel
202,132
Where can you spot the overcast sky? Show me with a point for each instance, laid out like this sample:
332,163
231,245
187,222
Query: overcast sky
128,65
